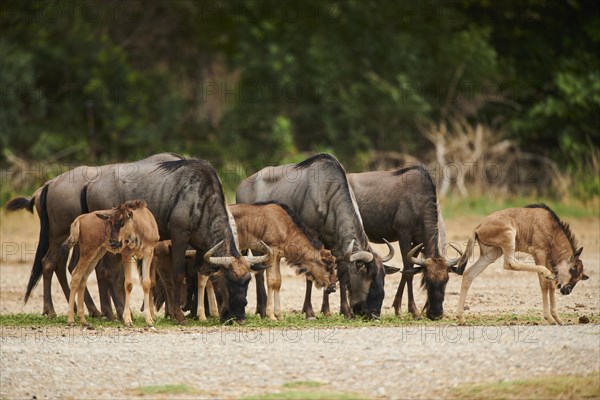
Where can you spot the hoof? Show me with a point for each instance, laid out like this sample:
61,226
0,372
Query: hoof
152,328
310,318
50,315
89,327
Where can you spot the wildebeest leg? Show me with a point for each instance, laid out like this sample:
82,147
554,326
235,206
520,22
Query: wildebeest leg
261,294
152,285
202,282
103,277
510,260
62,278
48,267
147,286
344,306
544,288
325,305
212,301
307,307
128,265
178,248
487,256
405,244
116,282
551,293
273,286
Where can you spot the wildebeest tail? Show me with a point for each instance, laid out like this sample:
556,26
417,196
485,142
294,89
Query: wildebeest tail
43,242
21,203
462,263
72,239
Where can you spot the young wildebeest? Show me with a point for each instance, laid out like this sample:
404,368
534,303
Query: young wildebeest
402,205
129,229
535,230
282,230
317,190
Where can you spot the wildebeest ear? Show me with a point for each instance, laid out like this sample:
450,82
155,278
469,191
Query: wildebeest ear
584,277
258,267
455,270
103,216
390,270
129,214
578,252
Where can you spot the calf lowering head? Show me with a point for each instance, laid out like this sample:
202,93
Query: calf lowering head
574,266
367,279
235,277
436,273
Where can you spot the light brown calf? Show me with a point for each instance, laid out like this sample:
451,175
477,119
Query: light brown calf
283,231
535,230
129,229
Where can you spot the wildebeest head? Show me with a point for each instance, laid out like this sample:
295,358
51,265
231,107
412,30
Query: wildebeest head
436,273
119,220
321,269
235,277
366,286
567,282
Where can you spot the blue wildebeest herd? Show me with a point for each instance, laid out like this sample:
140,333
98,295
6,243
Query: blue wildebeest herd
167,215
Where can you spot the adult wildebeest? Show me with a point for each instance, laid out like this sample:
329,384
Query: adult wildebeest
186,198
129,229
402,205
535,230
58,203
317,190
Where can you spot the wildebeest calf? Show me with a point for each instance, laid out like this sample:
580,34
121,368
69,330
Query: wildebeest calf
535,230
129,229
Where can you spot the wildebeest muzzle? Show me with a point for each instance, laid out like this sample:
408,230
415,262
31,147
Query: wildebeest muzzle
114,244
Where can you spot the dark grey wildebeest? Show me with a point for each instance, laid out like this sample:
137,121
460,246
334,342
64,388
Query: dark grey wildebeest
402,205
318,191
186,198
58,203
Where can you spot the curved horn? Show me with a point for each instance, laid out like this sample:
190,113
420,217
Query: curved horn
217,260
260,259
453,261
391,254
348,253
362,255
411,256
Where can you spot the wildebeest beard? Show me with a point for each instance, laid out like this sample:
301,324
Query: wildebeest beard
366,295
436,289
233,295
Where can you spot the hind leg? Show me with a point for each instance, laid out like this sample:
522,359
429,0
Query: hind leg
487,256
48,267
406,280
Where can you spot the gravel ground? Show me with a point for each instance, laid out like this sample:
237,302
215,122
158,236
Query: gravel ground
375,362
415,362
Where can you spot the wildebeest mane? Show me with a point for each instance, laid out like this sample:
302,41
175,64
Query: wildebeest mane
133,204
309,233
563,225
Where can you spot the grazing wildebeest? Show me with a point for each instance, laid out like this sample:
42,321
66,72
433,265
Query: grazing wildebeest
317,190
58,203
186,198
284,232
535,230
402,205
129,229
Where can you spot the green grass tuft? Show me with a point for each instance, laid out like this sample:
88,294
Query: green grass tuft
164,389
550,387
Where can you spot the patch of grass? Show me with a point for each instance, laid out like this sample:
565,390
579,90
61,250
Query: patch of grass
309,390
297,321
164,389
550,387
481,206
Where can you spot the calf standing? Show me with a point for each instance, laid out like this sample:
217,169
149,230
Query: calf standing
129,229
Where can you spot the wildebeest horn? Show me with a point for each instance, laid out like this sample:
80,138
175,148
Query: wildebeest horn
358,256
391,254
453,261
260,259
411,256
217,260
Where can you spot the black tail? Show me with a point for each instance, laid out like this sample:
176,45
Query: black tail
20,203
43,244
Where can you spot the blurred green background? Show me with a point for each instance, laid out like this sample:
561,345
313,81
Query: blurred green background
249,83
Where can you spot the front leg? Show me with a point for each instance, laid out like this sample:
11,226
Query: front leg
178,249
146,285
325,306
344,306
307,308
128,264
202,283
551,293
